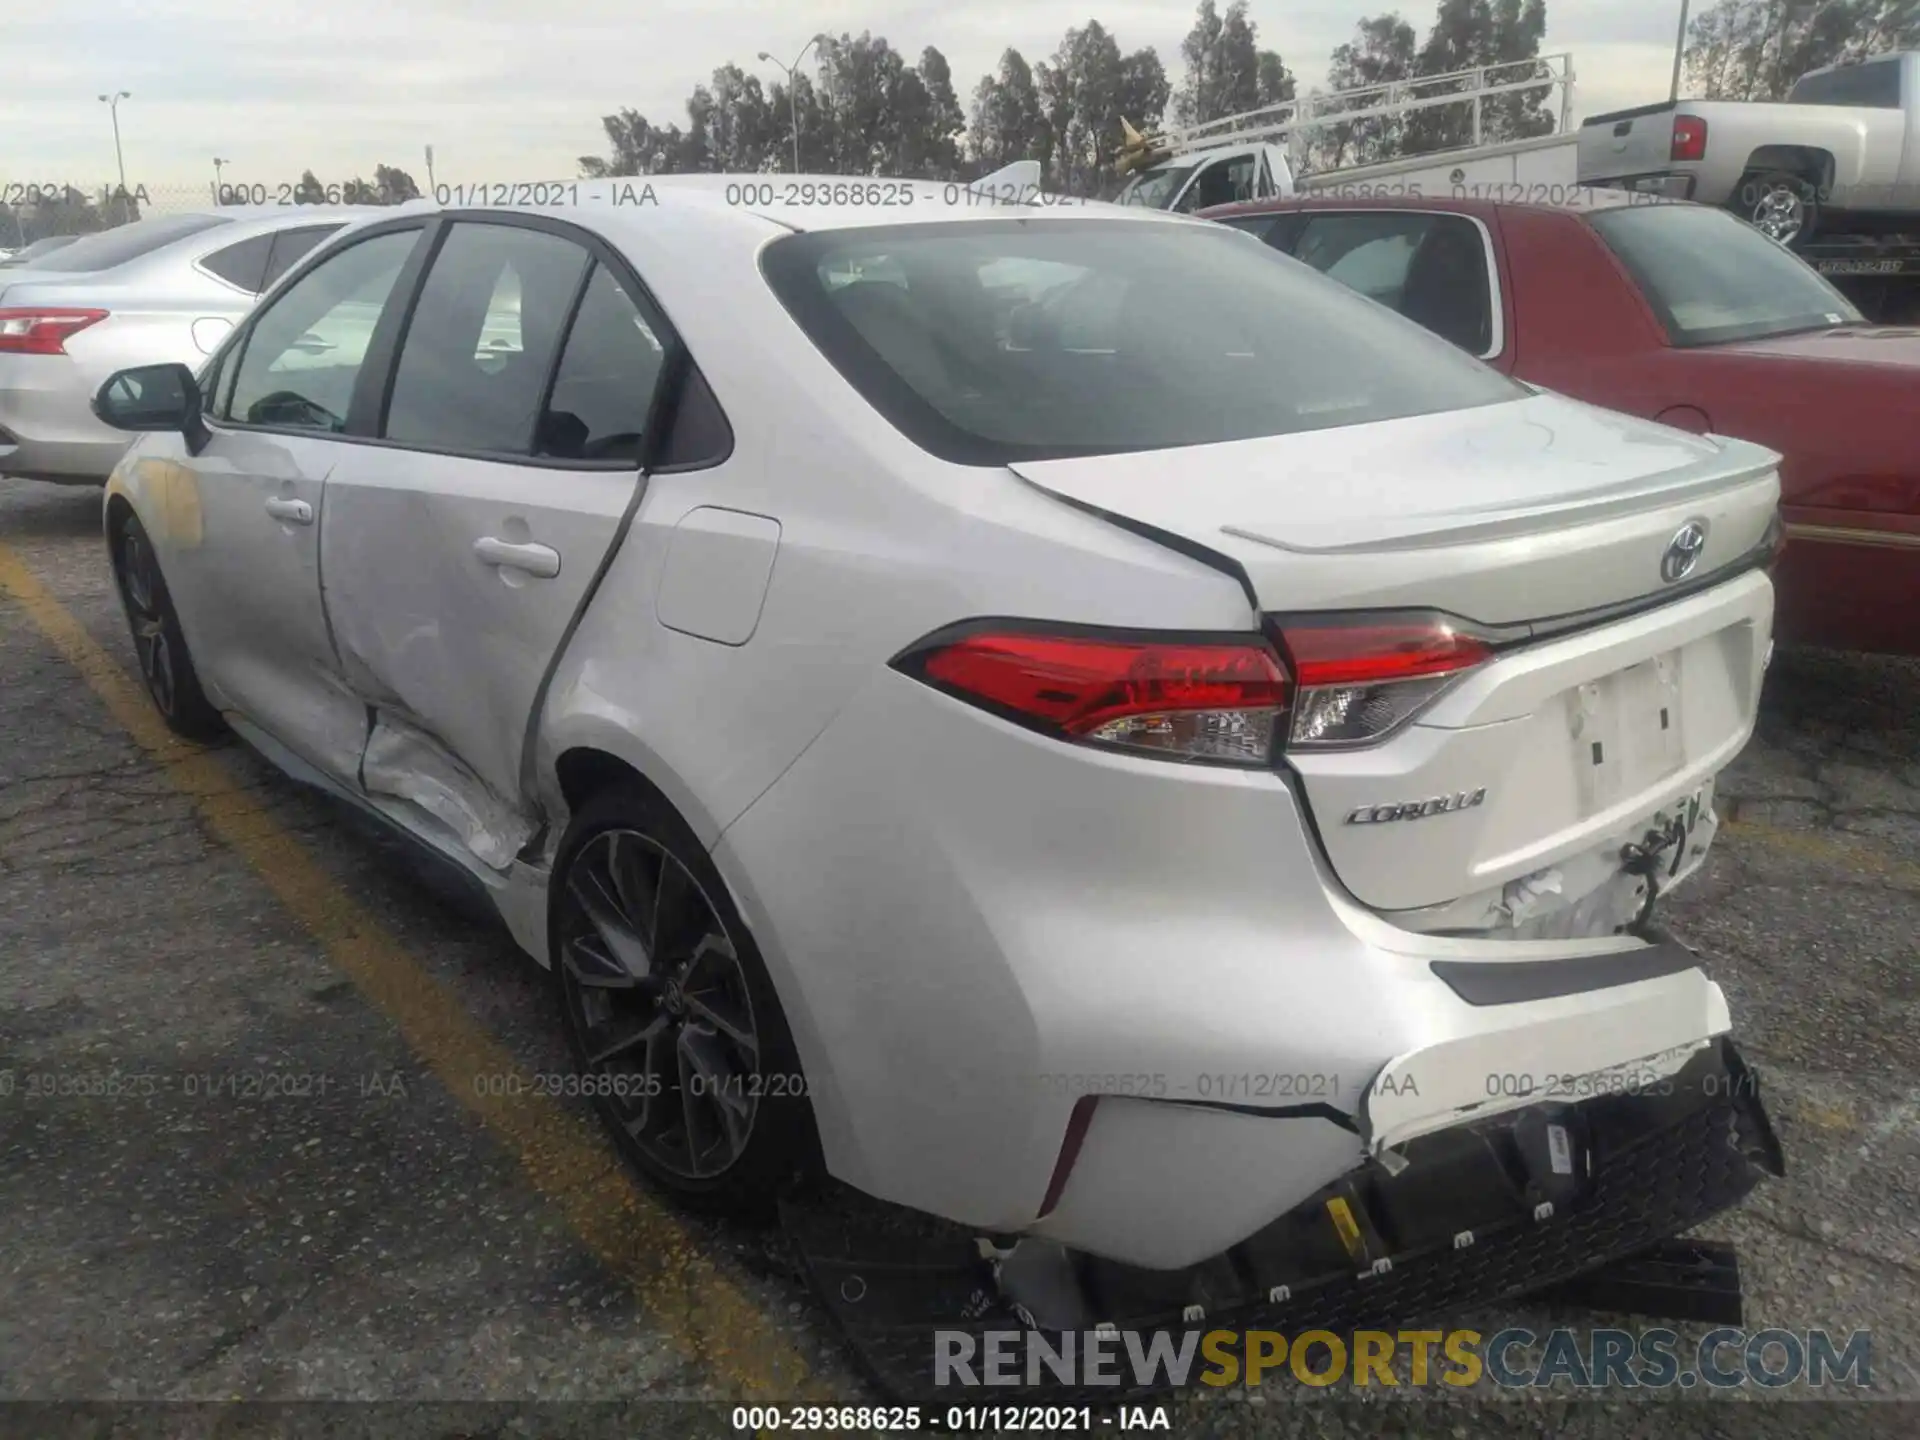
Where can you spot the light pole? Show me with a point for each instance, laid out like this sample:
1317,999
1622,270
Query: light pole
1679,45
1780,48
112,102
793,98
217,164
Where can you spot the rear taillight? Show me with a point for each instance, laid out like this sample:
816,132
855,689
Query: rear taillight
1689,138
43,330
1180,698
1358,679
1336,682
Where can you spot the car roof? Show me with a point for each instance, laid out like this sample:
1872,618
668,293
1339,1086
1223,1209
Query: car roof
809,203
1576,200
236,224
259,218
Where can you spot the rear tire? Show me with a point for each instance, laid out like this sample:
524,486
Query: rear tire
165,663
676,1032
1782,205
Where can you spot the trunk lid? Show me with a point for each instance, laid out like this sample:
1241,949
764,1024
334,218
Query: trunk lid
1890,345
1573,738
1501,514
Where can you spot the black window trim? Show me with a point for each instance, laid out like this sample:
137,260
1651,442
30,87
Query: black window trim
1488,248
200,262
328,229
373,386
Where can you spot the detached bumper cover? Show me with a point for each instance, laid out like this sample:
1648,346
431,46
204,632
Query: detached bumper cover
1648,1167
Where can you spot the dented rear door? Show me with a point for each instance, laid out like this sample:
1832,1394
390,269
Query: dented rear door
457,555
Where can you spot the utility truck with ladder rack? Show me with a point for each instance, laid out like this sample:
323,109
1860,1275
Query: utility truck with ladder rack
1262,154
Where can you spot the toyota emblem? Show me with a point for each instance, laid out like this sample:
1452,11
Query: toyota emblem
1683,551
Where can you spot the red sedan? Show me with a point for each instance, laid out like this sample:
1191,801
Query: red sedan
1678,313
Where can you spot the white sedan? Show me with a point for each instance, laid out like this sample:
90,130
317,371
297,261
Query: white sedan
1055,715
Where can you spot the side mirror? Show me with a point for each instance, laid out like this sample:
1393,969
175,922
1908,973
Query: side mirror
154,398
148,397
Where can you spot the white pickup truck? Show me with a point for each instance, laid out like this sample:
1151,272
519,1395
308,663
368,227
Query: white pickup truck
1259,154
1840,156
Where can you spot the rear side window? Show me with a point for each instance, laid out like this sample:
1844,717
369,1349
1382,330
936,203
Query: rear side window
129,242
242,264
291,246
1875,86
605,383
474,363
996,341
1431,268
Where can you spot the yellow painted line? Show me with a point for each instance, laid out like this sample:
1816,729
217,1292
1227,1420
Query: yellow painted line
1853,854
685,1296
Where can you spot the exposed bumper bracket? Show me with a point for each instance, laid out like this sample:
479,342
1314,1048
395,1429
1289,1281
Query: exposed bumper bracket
1647,1169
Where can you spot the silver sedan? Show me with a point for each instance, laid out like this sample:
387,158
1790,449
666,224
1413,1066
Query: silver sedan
158,290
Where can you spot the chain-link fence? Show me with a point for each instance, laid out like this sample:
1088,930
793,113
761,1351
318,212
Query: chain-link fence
34,209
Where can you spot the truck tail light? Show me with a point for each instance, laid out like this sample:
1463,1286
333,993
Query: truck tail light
43,330
1689,138
1358,679
1176,697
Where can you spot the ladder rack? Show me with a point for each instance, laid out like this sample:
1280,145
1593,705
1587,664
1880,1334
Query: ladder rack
1289,122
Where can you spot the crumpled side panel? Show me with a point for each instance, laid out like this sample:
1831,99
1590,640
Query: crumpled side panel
408,764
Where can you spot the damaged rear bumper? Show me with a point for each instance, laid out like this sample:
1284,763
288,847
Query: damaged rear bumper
1162,1182
1485,1211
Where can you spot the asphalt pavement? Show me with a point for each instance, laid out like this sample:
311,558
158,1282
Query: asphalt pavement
255,1145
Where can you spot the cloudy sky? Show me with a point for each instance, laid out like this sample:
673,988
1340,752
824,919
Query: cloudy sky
513,89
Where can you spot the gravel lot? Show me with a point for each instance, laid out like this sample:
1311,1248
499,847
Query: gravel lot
378,1229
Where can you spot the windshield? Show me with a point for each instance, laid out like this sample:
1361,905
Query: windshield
1156,188
109,248
1711,278
998,341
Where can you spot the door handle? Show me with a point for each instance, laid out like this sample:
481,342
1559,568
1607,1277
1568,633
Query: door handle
541,560
299,512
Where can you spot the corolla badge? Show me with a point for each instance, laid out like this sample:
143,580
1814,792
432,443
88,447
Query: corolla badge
1418,809
1683,551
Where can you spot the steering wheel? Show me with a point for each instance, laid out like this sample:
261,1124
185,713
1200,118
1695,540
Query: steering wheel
289,407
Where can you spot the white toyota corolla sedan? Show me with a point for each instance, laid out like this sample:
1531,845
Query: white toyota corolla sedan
1057,716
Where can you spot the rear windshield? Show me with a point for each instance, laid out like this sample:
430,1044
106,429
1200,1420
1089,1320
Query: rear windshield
1874,87
998,341
129,242
38,250
1711,278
